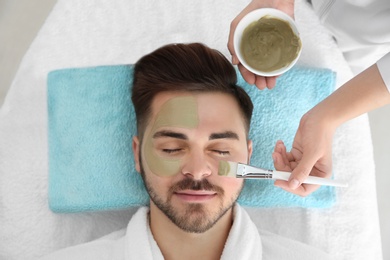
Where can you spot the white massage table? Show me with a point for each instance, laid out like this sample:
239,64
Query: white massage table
92,33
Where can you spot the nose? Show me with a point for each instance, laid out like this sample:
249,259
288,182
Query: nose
197,165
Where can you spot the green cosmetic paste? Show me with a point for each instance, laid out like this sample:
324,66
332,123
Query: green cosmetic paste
269,44
224,168
176,112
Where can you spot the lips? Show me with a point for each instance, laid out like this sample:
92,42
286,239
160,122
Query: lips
195,195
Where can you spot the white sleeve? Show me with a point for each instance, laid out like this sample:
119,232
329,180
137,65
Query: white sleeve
384,69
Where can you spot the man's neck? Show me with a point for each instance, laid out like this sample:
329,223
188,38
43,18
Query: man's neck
175,243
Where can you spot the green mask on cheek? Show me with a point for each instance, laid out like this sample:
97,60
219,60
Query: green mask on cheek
176,112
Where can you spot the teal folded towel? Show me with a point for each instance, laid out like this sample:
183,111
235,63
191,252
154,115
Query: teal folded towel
91,122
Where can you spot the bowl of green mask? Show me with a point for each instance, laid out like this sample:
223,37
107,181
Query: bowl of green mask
267,42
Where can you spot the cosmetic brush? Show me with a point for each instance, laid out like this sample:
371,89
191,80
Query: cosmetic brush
240,170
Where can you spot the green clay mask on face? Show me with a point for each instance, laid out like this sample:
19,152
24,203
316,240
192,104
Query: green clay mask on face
224,168
176,112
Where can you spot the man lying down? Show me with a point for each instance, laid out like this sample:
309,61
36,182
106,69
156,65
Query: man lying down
190,115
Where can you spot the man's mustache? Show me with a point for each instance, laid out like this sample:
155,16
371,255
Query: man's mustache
191,184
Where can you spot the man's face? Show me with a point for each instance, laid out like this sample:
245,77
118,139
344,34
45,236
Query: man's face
186,137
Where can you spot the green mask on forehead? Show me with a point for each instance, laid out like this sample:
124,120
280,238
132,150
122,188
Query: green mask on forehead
176,112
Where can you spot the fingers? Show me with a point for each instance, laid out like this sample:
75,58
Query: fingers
303,190
264,82
284,161
247,75
270,82
279,163
303,169
280,159
260,82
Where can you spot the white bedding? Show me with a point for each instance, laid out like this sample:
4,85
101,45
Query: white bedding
91,33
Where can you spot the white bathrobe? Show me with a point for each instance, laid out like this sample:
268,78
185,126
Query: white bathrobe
137,242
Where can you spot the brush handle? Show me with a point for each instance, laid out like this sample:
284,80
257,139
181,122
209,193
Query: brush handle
278,175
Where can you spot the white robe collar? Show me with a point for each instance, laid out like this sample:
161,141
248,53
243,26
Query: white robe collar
242,243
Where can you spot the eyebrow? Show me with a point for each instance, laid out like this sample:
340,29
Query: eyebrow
172,134
213,136
224,135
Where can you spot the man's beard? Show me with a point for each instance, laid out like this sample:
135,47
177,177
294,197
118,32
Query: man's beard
196,218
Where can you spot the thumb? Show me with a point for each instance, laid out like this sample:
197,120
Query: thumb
230,44
303,169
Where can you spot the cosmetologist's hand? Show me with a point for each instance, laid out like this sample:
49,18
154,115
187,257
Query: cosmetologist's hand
311,154
286,6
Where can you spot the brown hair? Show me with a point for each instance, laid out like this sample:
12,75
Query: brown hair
184,67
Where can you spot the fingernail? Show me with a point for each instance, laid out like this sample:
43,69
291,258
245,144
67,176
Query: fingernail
293,184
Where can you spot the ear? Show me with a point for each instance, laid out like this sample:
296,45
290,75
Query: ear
136,151
250,150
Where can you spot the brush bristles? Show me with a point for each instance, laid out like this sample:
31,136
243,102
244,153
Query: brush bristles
227,169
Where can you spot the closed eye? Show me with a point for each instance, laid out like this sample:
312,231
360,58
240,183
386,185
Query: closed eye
220,152
170,151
